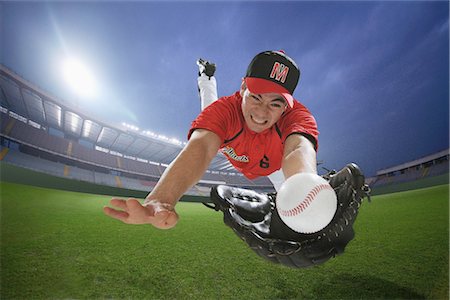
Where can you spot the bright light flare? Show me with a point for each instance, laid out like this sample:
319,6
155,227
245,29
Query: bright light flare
79,78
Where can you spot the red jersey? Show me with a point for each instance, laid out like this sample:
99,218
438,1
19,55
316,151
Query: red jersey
254,154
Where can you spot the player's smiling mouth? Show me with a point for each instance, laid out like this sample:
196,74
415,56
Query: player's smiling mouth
258,122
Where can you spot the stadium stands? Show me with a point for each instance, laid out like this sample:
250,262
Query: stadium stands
34,163
435,164
37,133
100,159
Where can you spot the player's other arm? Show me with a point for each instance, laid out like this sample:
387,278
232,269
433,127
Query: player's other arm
185,171
299,156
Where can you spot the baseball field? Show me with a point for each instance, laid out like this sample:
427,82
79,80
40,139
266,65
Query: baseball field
59,245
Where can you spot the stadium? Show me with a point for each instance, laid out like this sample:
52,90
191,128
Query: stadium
374,74
49,145
39,133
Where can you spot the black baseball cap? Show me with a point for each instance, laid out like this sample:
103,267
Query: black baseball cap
273,72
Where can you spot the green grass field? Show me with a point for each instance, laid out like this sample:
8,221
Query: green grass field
59,245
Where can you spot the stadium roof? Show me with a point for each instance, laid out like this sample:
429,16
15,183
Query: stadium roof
26,100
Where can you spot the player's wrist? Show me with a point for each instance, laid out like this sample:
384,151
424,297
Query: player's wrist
160,206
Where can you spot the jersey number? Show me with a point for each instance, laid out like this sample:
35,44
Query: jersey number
264,162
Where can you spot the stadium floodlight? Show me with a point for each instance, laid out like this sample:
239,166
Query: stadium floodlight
162,137
149,133
79,78
130,127
175,141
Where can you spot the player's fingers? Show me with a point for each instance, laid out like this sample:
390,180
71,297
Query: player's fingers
120,203
116,214
135,207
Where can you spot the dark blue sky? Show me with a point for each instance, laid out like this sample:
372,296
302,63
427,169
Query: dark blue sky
374,73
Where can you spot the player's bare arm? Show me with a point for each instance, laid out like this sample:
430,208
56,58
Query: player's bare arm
299,156
185,171
188,168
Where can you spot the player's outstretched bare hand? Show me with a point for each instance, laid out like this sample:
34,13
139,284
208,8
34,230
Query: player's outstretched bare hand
131,211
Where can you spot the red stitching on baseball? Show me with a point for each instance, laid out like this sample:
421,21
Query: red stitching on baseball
306,202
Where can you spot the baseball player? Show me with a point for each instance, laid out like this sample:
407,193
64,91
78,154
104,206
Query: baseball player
207,85
261,129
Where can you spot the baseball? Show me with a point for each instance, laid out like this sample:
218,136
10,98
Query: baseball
306,202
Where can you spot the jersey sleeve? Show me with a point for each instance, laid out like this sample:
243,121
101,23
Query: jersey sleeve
217,117
300,120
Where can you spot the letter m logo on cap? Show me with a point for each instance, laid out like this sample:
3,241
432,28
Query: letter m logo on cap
279,72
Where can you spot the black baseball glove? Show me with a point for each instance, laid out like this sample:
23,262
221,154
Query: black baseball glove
255,220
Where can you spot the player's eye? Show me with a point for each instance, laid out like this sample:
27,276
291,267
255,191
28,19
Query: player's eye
255,98
276,105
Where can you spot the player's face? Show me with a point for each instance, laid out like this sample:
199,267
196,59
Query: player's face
261,111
